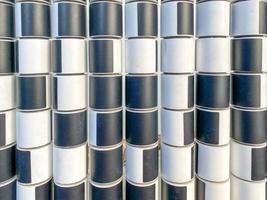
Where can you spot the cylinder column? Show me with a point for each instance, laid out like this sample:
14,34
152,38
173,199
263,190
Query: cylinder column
105,100
34,138
177,100
7,101
212,99
249,100
141,97
69,67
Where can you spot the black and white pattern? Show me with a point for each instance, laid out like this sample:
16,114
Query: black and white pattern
249,126
69,128
141,19
69,92
69,56
7,127
7,21
249,90
141,91
143,191
177,100
105,127
141,163
249,18
212,162
248,54
213,90
34,165
174,191
68,19
178,55
248,162
105,19
105,56
42,191
33,20
213,54
77,191
105,113
206,190
170,156
213,126
70,164
177,91
141,56
141,99
213,18
177,19
106,164
141,127
33,129
33,92
177,127
104,191
7,55
33,56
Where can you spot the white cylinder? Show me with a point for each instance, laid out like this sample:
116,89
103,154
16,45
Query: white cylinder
141,55
69,92
33,192
40,162
69,55
213,18
33,56
213,55
177,127
177,163
248,162
178,55
212,190
70,164
213,162
246,18
141,163
33,128
177,91
246,190
7,92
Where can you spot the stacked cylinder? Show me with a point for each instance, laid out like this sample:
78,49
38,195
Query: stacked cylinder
105,100
69,81
213,100
249,100
34,148
141,99
177,100
7,101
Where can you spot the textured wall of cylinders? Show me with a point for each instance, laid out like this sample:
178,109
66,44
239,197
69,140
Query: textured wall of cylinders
34,141
105,99
7,101
213,100
249,100
72,88
69,81
177,100
141,96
